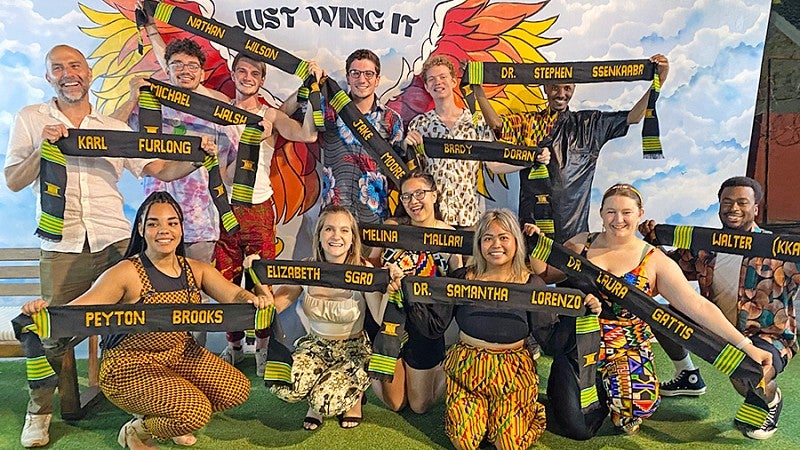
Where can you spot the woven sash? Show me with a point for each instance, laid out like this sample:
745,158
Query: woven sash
221,113
150,100
481,151
380,150
68,321
574,72
784,247
324,274
98,143
236,39
669,321
417,239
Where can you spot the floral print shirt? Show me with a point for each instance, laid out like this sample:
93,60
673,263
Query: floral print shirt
350,176
460,203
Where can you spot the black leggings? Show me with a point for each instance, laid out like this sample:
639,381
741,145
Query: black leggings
564,414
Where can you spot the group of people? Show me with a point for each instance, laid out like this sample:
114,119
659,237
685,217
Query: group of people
171,384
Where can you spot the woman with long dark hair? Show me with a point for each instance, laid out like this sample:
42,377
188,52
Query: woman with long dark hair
166,380
418,375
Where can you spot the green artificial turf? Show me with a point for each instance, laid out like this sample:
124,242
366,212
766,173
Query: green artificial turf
266,422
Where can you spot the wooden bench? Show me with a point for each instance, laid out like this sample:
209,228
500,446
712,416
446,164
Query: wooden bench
19,277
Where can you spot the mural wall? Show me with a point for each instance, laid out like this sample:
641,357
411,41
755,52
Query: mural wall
706,106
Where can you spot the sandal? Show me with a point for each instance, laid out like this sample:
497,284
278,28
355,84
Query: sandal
628,425
133,435
312,421
356,421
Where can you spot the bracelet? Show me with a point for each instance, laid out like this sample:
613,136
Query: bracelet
197,164
744,342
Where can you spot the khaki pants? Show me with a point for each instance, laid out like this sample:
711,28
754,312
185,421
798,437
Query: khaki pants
64,277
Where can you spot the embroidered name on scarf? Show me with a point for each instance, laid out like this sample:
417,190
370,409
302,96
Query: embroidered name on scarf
494,295
68,321
784,247
418,239
221,113
671,322
574,72
481,151
236,39
314,273
98,143
380,150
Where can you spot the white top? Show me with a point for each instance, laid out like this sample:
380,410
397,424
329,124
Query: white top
334,313
93,202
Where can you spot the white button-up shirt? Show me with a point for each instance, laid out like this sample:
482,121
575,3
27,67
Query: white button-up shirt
93,201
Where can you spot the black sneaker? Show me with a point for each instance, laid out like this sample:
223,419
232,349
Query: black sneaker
688,382
770,425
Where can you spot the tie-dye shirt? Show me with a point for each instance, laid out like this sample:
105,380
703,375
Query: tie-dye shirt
200,217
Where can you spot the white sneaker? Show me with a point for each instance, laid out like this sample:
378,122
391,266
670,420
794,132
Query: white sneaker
261,362
232,356
36,432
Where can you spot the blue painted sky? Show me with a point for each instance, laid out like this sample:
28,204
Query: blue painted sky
706,107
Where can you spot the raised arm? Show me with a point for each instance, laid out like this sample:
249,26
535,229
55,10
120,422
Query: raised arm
637,112
290,128
492,118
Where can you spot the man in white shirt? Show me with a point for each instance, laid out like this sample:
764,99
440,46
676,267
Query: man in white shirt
95,233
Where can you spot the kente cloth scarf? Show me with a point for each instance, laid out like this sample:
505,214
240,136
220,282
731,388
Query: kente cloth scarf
481,151
784,247
324,274
672,323
418,239
150,100
221,113
98,143
236,39
385,347
574,72
535,129
520,297
380,150
69,321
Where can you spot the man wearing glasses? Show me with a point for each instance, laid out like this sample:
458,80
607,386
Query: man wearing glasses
183,62
351,177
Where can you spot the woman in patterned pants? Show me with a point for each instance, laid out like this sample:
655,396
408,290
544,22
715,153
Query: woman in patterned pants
329,363
169,382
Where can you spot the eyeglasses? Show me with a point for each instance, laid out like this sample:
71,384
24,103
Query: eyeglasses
178,66
419,194
355,73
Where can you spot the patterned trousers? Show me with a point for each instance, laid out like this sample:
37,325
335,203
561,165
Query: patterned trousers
492,393
330,374
176,390
626,368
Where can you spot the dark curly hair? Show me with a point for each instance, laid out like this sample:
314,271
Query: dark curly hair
186,46
758,191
